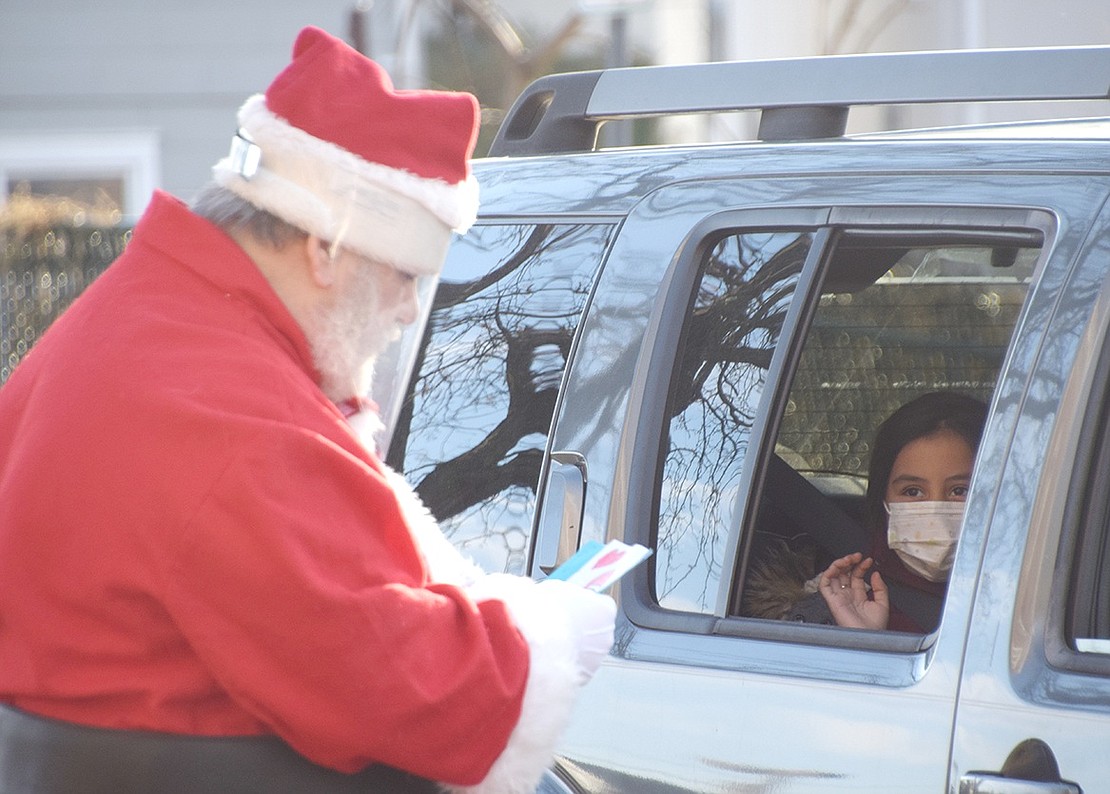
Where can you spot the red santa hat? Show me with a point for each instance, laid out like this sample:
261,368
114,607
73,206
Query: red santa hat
335,150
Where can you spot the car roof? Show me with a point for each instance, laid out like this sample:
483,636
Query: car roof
612,181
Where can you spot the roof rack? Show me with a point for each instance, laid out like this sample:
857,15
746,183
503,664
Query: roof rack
800,98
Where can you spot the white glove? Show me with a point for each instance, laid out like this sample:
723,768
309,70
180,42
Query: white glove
592,620
554,607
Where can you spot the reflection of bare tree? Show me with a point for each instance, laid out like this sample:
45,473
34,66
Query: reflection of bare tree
472,433
450,312
738,311
491,466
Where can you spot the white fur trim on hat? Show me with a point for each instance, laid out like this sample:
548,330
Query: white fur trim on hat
384,213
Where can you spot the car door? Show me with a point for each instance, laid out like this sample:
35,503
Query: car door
1034,704
698,696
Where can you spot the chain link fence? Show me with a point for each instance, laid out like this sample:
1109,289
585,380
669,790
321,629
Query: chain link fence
49,253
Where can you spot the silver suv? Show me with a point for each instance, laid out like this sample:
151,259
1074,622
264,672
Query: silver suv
690,347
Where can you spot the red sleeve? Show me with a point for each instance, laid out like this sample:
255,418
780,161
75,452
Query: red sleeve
299,585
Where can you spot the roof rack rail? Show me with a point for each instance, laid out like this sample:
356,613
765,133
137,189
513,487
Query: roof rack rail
800,98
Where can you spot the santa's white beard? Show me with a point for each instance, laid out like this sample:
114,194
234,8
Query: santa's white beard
347,337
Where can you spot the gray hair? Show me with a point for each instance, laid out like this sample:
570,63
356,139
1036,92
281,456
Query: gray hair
233,213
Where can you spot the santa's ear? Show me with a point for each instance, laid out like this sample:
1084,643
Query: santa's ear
321,262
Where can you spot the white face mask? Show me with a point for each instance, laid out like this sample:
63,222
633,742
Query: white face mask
924,535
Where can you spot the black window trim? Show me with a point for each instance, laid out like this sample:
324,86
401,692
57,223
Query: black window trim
1086,513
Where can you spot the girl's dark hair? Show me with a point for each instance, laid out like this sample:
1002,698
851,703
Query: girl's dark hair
920,417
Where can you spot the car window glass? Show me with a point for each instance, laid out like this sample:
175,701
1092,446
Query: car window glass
732,326
474,426
1087,616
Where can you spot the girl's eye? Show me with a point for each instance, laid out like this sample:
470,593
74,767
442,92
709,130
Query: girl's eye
960,491
913,492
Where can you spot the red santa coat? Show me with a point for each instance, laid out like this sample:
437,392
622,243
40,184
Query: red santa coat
192,540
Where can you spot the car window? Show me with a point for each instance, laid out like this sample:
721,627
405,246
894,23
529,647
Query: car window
732,326
1082,592
474,425
896,313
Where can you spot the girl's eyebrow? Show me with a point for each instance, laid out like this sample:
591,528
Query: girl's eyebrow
911,476
907,478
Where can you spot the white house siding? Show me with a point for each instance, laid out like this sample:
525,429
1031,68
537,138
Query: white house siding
171,75
174,72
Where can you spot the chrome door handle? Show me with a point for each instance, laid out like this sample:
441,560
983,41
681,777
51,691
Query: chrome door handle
561,512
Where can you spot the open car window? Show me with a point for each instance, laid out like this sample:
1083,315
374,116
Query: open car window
771,413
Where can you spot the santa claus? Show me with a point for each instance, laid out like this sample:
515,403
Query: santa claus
234,593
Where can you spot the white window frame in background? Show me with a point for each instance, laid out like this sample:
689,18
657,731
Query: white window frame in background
132,156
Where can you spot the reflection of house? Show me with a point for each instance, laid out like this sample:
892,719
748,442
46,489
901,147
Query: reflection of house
116,98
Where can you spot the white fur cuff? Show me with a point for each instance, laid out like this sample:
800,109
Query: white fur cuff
553,684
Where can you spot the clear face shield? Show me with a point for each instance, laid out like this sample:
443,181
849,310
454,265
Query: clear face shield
393,370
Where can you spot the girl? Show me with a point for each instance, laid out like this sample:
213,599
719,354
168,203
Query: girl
919,476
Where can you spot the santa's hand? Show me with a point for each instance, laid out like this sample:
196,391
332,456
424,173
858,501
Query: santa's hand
592,620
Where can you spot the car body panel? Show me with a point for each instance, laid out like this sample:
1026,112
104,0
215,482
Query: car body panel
860,716
1010,692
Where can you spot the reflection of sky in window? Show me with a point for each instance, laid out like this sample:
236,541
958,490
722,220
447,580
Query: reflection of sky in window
708,438
471,254
526,316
